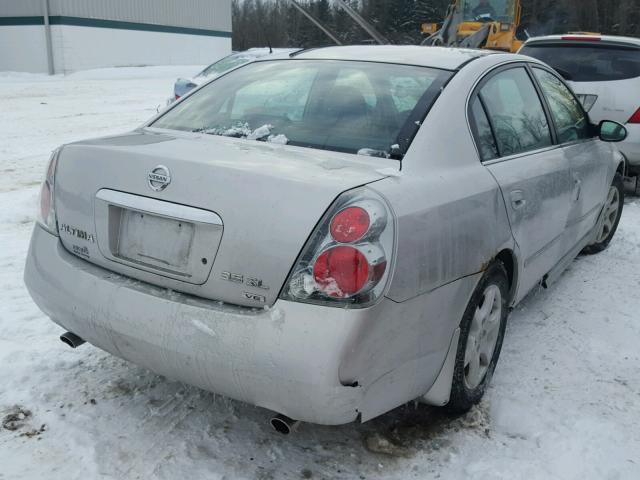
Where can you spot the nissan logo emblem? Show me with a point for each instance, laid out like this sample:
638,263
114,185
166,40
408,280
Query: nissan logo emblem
159,178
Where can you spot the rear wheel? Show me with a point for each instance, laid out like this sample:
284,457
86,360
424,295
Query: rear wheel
610,217
481,335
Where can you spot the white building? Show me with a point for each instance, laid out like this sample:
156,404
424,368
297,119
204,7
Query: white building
61,36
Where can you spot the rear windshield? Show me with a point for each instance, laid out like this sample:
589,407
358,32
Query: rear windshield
355,107
588,63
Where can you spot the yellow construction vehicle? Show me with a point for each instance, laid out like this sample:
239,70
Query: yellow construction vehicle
490,24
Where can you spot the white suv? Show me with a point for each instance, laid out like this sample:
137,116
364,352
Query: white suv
604,72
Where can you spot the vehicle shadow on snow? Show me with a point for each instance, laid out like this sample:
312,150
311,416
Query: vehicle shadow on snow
164,425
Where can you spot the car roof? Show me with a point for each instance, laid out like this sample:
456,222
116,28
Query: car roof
262,52
435,57
583,38
256,53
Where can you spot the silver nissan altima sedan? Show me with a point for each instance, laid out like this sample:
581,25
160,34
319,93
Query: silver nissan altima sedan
331,235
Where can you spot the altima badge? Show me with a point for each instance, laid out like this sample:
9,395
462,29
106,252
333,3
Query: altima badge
76,232
159,178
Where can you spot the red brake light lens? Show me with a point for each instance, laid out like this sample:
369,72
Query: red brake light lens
635,118
350,225
341,271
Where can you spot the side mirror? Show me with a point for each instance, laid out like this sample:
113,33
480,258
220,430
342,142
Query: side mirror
612,131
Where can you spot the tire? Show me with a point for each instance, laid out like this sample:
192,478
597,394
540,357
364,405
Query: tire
613,212
470,380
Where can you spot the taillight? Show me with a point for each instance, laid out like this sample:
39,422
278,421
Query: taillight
47,212
635,118
347,259
177,97
45,200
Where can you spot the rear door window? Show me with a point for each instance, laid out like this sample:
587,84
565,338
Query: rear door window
482,131
569,117
588,63
515,112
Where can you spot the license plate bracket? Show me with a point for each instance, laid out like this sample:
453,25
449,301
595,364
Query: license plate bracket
149,237
158,242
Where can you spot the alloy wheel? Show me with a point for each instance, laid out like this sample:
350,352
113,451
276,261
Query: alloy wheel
483,336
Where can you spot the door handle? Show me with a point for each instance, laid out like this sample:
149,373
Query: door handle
517,199
577,188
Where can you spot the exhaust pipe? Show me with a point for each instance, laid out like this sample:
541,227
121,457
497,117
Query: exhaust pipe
284,425
71,339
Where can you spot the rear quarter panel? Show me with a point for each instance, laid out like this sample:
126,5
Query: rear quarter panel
450,225
452,219
451,222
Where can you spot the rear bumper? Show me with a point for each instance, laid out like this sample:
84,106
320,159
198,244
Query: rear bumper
289,359
266,358
631,148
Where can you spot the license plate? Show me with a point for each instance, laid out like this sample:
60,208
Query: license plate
159,242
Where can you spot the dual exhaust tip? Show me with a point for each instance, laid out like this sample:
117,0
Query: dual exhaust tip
280,423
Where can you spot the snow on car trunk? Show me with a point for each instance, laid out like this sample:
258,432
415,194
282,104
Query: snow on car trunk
216,217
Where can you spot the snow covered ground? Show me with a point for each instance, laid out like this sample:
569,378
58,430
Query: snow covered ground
565,401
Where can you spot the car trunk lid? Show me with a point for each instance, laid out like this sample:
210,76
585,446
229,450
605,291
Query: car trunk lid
220,218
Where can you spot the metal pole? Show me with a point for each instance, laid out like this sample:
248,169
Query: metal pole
313,20
377,36
47,35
